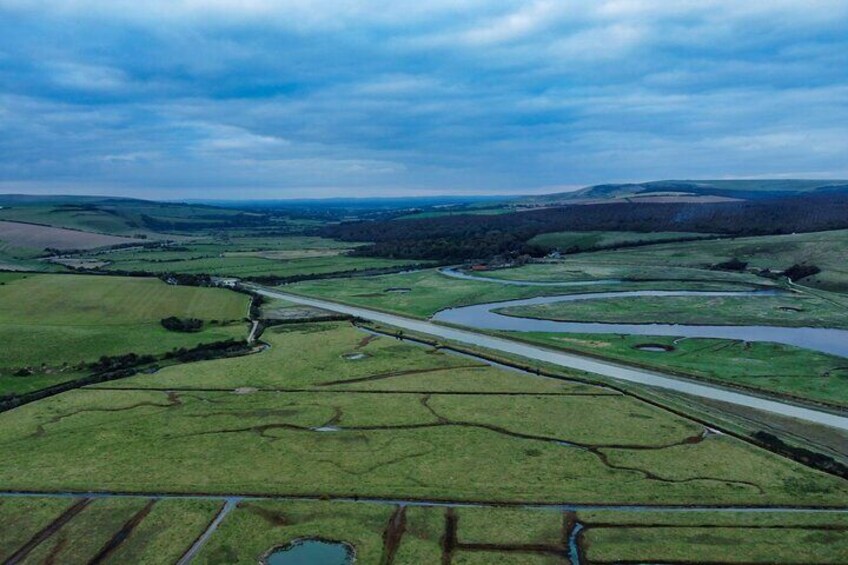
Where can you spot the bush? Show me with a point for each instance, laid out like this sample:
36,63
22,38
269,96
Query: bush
185,325
797,272
731,265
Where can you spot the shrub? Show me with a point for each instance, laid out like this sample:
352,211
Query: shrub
186,325
731,265
797,272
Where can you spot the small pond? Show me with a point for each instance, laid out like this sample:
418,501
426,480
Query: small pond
311,552
354,356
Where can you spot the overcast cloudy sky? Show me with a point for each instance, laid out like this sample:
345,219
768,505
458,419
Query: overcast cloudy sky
297,98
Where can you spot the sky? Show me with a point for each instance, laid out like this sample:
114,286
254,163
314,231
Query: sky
310,98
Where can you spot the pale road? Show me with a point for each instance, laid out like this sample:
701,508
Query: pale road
571,361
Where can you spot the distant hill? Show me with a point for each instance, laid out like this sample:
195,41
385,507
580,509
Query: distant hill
58,199
122,216
691,191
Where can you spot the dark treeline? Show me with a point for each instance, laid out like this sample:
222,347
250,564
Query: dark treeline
476,236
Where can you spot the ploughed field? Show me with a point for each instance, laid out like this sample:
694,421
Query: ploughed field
329,411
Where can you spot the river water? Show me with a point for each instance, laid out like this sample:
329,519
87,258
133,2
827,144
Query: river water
484,317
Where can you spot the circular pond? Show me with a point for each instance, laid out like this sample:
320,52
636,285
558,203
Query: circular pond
311,552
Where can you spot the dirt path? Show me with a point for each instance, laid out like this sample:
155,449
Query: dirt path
48,531
122,534
192,552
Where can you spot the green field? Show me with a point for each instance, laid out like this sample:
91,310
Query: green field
768,367
615,537
247,266
22,518
52,323
793,310
257,527
166,532
827,250
164,529
331,411
140,530
588,267
571,444
585,240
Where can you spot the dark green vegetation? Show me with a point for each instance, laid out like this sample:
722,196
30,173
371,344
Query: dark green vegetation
54,327
293,413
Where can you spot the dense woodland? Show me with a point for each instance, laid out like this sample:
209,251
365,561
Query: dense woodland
474,236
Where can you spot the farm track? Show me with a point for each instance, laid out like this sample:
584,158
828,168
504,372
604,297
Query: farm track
122,534
189,555
48,531
392,535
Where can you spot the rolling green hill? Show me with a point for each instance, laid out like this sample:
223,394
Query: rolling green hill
697,189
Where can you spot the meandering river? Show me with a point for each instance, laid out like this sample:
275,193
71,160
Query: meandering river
484,317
